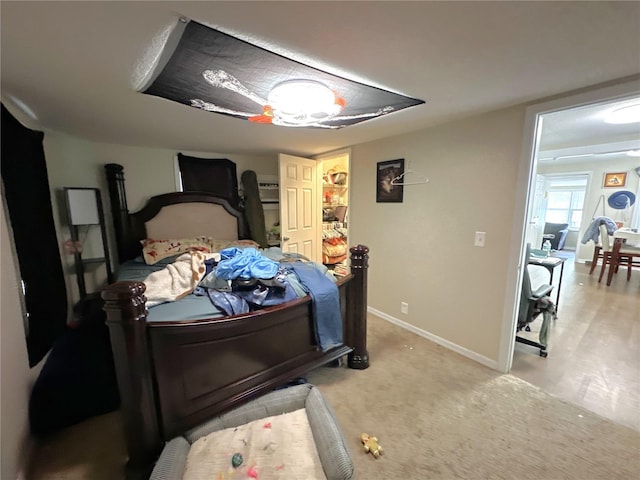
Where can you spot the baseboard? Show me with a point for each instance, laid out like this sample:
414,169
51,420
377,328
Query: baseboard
487,362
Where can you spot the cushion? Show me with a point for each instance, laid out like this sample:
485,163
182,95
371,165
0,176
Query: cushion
275,446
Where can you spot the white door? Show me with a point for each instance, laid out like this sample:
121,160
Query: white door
538,212
300,207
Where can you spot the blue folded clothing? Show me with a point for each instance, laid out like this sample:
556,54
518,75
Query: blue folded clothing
326,304
245,263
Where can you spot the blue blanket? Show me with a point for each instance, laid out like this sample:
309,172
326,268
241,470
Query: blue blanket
326,304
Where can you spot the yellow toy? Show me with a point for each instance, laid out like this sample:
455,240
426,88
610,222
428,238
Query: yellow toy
371,445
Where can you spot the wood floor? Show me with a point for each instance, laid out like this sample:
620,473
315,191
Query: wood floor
594,345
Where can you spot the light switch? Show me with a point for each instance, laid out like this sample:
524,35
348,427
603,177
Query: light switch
480,239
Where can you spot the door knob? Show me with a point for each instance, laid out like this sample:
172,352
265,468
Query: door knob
285,239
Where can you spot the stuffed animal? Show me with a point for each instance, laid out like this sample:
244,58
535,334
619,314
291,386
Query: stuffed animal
371,445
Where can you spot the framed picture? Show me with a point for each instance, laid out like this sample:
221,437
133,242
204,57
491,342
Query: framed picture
618,179
386,172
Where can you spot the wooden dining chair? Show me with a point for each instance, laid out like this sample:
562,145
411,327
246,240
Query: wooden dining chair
597,255
629,256
615,255
605,251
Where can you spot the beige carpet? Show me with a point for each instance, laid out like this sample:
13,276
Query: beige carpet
441,416
436,414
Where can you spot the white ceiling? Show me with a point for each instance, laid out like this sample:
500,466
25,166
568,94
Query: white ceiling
76,65
581,134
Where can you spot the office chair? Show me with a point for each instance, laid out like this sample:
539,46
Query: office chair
532,304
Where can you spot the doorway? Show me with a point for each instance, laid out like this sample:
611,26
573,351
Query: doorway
579,286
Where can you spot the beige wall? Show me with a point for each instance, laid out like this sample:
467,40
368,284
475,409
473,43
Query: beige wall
75,162
422,250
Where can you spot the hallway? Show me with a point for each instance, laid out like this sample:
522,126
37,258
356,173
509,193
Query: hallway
594,345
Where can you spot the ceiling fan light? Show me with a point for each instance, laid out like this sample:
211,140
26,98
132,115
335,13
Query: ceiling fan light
628,114
303,97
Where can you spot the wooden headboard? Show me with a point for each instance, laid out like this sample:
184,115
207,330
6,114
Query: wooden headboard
168,216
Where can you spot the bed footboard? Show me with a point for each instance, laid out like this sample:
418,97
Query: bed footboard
173,376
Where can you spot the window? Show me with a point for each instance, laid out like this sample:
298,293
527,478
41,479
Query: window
565,199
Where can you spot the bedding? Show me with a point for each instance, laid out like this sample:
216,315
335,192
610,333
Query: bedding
236,280
178,279
190,307
155,250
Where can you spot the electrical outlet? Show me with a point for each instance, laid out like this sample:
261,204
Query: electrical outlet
480,240
404,308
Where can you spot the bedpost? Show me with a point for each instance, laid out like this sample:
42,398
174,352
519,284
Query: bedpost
119,209
357,308
124,304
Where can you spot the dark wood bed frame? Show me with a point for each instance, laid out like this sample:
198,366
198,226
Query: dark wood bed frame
173,376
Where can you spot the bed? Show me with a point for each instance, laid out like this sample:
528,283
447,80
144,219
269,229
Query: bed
175,373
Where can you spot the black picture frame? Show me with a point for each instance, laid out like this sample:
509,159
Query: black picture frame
386,190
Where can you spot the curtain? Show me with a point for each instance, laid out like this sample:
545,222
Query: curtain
217,176
28,200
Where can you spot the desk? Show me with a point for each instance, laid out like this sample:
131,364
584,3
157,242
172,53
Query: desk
550,263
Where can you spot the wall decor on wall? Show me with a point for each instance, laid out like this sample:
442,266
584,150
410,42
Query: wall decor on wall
617,179
386,191
621,200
